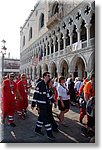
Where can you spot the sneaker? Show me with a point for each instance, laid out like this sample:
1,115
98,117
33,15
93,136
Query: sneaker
39,132
51,137
12,125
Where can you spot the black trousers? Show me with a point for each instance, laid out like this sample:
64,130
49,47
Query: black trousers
44,119
53,123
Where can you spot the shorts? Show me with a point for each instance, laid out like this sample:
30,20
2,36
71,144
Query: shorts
66,105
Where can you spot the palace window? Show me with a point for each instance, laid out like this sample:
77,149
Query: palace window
30,33
56,45
92,28
41,21
44,50
51,47
67,38
48,49
74,35
83,33
55,8
23,40
61,42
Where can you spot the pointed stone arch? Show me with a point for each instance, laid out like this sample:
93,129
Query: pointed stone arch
64,67
45,68
91,62
53,68
78,64
39,71
55,8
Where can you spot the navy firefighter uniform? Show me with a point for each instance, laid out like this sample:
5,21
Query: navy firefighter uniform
41,96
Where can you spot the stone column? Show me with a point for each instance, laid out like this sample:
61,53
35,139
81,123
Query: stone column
50,47
46,49
58,69
64,40
70,34
42,67
78,33
88,34
43,51
54,41
58,36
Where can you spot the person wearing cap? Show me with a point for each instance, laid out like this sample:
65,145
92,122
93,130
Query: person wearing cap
9,105
22,99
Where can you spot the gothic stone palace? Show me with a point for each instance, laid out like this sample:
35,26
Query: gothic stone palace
59,37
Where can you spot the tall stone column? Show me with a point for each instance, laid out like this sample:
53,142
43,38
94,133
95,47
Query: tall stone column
43,50
64,40
70,34
88,34
58,69
78,33
46,49
54,41
58,36
50,47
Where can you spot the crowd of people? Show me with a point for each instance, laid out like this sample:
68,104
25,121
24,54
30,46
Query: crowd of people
48,92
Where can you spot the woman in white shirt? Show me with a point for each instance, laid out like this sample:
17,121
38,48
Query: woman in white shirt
64,98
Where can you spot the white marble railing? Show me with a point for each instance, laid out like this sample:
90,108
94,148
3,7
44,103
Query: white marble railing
76,46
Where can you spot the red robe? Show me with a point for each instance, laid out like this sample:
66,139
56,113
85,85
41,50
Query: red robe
22,87
9,92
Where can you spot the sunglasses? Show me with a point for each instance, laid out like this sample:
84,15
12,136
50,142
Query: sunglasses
23,77
48,75
11,76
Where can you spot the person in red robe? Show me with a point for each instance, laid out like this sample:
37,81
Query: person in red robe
9,94
22,100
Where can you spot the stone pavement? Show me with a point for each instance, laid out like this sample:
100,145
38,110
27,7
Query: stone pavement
24,131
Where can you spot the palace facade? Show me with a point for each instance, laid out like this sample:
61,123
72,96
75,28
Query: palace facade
59,37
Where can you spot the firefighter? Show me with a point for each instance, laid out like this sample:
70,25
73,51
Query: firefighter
9,105
41,96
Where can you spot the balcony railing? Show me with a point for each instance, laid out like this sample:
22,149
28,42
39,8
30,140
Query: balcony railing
76,46
53,20
84,44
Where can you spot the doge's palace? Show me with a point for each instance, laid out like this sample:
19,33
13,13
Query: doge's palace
59,37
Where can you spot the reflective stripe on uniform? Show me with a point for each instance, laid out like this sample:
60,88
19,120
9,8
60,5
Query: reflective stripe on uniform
34,100
41,102
50,97
39,122
10,117
47,125
49,129
36,91
39,125
42,92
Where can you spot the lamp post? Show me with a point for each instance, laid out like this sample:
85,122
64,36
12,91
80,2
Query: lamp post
3,52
